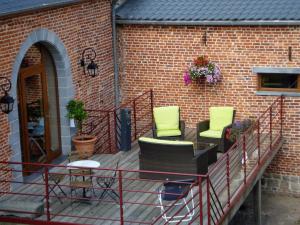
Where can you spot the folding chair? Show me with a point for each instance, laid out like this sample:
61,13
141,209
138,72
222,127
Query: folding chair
54,179
107,182
172,196
77,177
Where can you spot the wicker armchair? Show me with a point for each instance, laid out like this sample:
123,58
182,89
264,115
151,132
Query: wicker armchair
223,143
167,124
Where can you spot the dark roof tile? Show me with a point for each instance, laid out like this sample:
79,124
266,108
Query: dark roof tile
210,10
8,7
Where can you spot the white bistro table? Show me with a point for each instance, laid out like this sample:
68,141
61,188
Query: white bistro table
83,164
88,164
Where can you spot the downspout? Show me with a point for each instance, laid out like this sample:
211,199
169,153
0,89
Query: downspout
115,54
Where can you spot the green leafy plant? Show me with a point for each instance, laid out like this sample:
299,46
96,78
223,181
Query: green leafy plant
77,112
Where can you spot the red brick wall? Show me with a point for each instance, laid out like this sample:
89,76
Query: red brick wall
79,26
156,57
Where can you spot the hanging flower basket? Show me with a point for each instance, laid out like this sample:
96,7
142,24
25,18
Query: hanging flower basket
202,68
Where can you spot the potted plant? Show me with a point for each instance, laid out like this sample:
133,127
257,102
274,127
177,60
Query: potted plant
83,143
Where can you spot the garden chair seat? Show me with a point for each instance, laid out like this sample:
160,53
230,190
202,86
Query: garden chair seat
211,133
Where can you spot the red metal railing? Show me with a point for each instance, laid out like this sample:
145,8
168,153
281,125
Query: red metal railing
136,200
233,172
106,124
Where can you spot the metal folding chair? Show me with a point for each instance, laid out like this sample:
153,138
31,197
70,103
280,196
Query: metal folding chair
107,182
172,195
80,178
54,180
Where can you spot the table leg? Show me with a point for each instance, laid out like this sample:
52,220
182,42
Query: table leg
83,191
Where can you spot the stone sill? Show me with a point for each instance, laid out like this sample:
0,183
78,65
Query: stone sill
278,93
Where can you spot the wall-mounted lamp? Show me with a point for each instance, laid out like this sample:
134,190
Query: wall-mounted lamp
290,53
204,38
90,68
6,101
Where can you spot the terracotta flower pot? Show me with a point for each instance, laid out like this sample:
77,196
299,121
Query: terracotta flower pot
84,145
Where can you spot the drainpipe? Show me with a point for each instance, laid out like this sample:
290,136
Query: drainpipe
115,54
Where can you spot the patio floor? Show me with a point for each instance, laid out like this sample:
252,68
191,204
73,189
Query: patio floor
138,195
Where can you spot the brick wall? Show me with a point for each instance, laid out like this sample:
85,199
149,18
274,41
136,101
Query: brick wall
79,26
156,57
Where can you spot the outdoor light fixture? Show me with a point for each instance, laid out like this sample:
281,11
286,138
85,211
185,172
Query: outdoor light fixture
90,68
204,38
6,101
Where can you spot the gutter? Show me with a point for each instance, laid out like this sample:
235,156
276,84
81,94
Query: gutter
115,54
212,23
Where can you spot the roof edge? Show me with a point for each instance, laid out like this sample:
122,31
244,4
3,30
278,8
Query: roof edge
212,23
41,7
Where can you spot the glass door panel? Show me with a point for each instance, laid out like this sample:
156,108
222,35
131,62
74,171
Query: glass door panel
53,110
33,99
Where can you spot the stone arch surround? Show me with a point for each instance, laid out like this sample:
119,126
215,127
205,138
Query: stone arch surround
65,90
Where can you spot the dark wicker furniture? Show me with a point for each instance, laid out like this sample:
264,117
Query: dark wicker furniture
223,143
170,157
211,149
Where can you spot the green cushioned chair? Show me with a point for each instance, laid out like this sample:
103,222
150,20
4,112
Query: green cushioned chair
167,123
214,129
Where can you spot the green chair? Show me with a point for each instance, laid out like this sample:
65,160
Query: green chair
214,129
167,123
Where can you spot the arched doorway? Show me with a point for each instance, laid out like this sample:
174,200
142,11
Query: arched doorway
38,103
62,63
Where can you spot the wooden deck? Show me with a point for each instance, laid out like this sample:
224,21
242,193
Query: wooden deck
137,194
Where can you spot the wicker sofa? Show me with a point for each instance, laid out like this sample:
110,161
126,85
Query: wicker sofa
170,156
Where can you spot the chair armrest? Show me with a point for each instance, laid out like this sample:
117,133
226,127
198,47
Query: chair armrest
182,129
224,144
154,130
224,130
202,126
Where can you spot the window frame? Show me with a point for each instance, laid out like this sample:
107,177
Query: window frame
260,88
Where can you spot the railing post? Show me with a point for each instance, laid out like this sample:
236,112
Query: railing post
116,131
134,119
200,200
271,128
228,178
208,201
281,115
244,158
258,140
108,130
151,102
46,174
121,197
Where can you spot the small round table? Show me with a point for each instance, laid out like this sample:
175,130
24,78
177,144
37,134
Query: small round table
89,164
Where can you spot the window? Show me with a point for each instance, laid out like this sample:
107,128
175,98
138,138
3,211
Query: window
278,82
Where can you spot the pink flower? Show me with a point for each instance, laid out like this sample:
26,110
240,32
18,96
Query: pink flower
186,77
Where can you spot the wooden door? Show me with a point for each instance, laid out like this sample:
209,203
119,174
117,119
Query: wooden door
34,117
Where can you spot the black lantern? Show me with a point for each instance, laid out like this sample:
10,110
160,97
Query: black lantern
90,68
6,101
